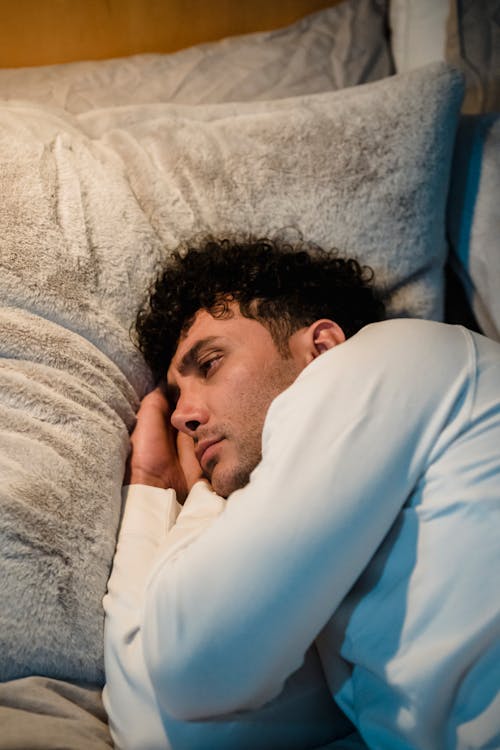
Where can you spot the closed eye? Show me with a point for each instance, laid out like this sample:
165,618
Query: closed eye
207,366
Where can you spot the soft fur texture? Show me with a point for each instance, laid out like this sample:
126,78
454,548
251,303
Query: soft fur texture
70,381
364,169
89,203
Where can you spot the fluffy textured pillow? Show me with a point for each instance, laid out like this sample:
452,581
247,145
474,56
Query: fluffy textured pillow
89,205
474,217
341,46
364,169
69,378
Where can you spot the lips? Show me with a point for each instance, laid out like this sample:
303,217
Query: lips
204,452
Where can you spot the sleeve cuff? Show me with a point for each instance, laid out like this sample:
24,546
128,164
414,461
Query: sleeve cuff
202,502
200,510
148,511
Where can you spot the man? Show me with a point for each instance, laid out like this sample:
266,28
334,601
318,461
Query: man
342,481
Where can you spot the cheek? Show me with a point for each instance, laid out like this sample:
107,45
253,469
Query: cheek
249,408
232,391
239,411
242,399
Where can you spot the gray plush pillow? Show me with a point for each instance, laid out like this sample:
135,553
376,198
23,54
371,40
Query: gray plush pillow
363,169
89,205
337,47
69,379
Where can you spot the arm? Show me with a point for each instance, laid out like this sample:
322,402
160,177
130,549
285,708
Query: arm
230,617
153,523
148,527
302,715
150,511
128,695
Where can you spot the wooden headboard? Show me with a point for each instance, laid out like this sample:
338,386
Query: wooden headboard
42,32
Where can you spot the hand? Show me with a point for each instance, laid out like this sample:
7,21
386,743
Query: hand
153,458
187,457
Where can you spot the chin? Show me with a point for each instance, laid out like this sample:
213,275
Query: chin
226,481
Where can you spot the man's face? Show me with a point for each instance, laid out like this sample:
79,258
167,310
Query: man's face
224,375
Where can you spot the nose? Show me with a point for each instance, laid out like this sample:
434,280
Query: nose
190,413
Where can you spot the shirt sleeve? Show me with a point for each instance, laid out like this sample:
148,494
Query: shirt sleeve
228,618
152,521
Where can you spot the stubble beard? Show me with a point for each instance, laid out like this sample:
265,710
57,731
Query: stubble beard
228,480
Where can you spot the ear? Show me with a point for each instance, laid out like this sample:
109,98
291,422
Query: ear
325,335
307,343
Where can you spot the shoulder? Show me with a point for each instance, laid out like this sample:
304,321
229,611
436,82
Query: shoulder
410,334
395,348
387,365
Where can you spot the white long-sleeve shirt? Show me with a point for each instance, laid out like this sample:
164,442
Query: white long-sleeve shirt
370,528
302,716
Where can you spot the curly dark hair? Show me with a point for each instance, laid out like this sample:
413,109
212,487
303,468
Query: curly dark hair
282,286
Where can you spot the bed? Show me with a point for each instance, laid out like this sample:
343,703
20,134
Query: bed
129,127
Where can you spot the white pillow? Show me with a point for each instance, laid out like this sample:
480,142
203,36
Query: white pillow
341,46
418,32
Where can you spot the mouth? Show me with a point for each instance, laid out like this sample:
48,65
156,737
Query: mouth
206,451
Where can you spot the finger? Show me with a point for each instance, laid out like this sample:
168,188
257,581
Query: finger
187,457
185,447
157,400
